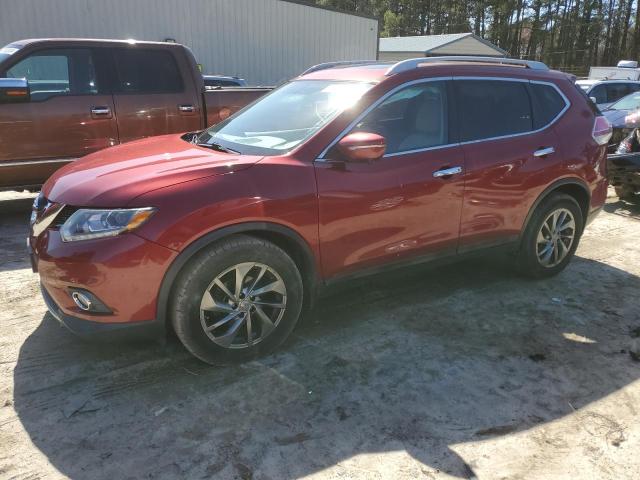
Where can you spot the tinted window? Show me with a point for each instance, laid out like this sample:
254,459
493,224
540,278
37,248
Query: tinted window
615,91
599,93
147,71
208,82
491,108
410,119
57,72
547,104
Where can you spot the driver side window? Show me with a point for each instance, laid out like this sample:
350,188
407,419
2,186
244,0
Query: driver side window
57,72
413,118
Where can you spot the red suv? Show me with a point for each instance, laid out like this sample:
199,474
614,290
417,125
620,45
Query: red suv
228,234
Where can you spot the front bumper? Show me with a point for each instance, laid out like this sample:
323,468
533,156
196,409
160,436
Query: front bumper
123,272
98,330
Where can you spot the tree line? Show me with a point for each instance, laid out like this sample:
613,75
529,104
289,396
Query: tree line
567,34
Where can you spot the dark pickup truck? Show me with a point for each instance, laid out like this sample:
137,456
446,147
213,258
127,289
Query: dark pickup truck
61,99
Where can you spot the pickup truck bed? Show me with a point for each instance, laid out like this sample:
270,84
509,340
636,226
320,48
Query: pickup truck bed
85,95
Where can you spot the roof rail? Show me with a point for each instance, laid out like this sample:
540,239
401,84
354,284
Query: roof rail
412,63
344,63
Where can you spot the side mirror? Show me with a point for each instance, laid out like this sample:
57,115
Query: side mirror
594,100
14,90
362,146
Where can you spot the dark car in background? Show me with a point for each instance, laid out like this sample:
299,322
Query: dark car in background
623,116
219,81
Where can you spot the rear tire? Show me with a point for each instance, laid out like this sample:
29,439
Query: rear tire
551,237
223,321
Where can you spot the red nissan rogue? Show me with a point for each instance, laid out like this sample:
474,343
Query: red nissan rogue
226,235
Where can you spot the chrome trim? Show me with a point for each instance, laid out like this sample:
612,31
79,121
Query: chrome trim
36,162
14,83
543,152
100,110
425,149
41,225
187,108
446,172
413,63
567,105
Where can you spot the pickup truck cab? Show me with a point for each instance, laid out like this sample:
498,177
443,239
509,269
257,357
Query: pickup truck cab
83,95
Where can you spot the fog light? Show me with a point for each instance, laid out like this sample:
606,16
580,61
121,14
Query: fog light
87,301
82,301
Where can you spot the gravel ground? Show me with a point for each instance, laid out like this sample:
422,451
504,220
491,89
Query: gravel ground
460,371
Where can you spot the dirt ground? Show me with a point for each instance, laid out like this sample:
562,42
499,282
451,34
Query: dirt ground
460,371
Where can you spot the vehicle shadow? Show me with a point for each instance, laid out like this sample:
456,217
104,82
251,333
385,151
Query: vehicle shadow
623,208
420,360
14,225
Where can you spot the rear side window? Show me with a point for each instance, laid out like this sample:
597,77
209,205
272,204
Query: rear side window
492,108
220,83
547,104
146,71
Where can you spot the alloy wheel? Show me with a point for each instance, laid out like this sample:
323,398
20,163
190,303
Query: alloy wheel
243,305
555,237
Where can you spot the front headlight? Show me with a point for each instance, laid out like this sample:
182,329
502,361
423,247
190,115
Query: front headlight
88,223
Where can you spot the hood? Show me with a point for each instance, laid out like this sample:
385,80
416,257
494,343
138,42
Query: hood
115,176
616,117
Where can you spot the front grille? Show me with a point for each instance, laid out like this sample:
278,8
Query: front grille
64,215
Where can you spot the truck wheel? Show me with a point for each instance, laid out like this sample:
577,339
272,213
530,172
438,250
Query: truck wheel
238,299
625,192
551,237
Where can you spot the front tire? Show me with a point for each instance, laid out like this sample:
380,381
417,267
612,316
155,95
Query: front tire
236,300
551,237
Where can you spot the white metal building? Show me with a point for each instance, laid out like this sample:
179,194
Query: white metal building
401,48
263,41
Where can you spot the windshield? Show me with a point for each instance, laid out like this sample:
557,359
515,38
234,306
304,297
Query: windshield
6,52
285,118
630,102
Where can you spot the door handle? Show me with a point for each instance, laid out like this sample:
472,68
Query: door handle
100,111
447,172
543,152
186,108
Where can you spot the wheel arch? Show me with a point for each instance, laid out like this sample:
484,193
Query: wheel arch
573,187
284,237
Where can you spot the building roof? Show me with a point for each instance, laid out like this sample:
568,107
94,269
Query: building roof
427,43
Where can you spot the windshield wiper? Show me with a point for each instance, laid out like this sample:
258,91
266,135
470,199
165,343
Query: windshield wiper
217,147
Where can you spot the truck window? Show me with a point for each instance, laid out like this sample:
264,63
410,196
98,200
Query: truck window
615,91
599,93
57,72
146,71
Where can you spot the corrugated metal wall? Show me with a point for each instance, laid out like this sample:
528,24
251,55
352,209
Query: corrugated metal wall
263,41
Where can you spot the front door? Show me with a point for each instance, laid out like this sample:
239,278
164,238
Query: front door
151,96
69,115
400,206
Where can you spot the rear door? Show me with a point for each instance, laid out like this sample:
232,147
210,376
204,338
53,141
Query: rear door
151,95
70,114
512,153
